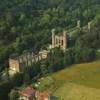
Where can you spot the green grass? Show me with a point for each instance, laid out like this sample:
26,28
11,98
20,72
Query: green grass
85,74
77,82
80,82
71,91
45,83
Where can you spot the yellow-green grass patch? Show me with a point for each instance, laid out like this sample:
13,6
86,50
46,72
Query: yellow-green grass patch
87,74
70,91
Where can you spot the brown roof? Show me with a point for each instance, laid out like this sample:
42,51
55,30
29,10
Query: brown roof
28,92
42,95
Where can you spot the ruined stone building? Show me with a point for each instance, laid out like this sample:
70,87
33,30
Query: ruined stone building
86,27
17,64
59,40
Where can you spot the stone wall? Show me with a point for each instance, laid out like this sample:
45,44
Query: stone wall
27,59
14,65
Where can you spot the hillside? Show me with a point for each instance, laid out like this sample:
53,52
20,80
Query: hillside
70,91
80,81
26,24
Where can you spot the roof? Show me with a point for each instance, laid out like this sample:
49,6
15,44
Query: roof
28,92
42,95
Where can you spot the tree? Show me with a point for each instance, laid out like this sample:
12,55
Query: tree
17,79
26,79
83,54
68,58
44,68
5,88
88,54
7,73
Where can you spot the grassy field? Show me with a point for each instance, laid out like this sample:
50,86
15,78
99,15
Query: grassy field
85,74
71,91
79,82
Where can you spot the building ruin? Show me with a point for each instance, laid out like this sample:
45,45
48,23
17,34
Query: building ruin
59,40
17,64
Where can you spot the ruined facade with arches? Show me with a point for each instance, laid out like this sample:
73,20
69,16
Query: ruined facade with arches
17,64
59,40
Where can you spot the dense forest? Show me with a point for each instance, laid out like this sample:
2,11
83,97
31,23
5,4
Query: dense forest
26,24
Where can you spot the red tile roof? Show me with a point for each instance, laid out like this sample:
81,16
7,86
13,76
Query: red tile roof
28,92
42,95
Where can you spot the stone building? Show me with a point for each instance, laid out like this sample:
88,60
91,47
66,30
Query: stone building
29,93
17,64
59,40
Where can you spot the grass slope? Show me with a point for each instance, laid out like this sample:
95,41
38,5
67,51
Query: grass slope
80,82
70,91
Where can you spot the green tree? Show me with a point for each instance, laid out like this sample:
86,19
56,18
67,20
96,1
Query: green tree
17,79
26,78
68,58
44,68
7,73
5,88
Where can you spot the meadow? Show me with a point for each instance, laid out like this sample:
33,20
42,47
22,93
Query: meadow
76,82
79,82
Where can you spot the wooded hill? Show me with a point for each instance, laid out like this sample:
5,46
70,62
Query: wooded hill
27,24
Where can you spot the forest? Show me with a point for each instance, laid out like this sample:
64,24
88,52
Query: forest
25,25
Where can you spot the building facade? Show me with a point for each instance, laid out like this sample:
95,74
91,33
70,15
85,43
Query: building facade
18,64
59,40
